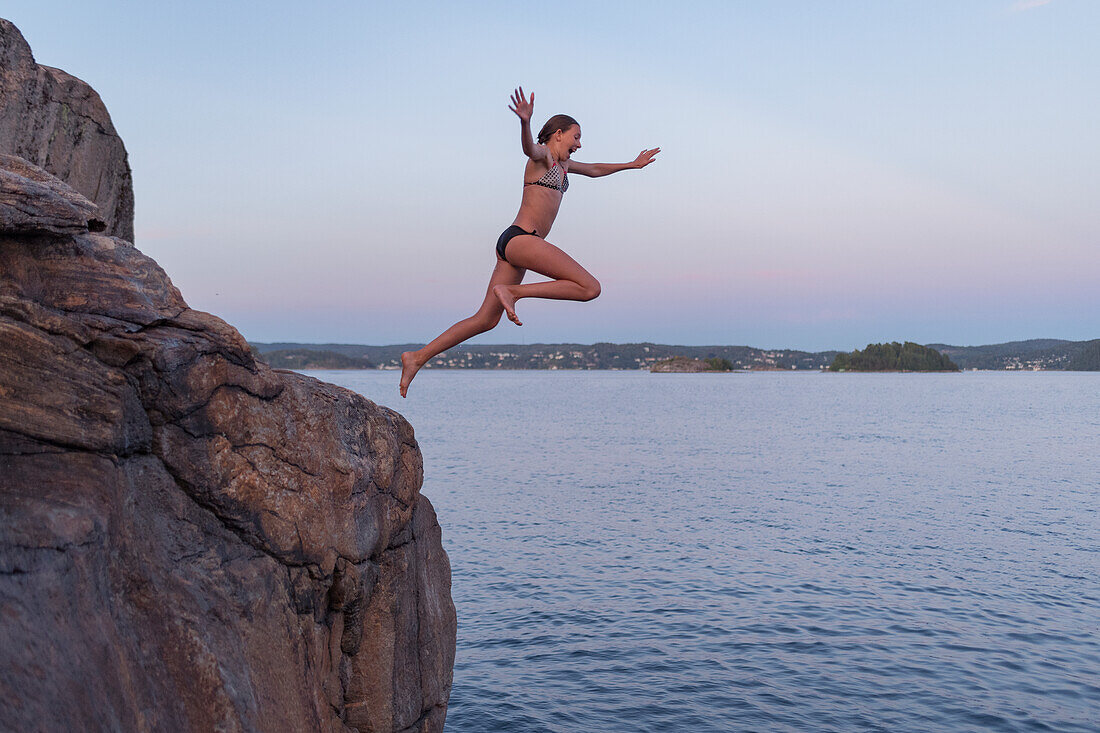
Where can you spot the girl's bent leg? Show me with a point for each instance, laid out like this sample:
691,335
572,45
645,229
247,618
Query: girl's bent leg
569,281
484,320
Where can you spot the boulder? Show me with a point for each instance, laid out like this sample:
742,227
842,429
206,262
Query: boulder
59,123
31,200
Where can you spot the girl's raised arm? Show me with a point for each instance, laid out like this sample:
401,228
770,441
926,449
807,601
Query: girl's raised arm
523,109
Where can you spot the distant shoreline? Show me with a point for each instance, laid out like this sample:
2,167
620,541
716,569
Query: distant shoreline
1031,355
646,371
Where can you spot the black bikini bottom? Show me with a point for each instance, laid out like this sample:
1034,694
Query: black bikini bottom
502,243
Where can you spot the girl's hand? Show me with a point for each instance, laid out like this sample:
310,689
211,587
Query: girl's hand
645,158
521,106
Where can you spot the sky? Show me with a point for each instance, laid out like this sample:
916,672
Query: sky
831,175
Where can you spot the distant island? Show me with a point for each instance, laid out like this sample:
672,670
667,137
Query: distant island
685,364
893,357
1031,355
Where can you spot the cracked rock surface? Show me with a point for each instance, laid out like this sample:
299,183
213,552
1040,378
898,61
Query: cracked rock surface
190,540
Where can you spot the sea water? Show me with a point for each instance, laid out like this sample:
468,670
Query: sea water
765,551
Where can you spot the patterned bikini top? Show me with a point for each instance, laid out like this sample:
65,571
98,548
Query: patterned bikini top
554,178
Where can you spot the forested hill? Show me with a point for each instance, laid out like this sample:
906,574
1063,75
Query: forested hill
1032,354
893,357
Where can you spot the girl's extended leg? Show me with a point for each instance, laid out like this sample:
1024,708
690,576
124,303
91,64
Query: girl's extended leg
569,280
484,320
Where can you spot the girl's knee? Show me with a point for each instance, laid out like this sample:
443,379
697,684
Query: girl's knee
592,290
485,321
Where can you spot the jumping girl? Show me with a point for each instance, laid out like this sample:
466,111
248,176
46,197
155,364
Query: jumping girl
523,245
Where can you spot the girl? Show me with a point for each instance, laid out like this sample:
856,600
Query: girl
523,245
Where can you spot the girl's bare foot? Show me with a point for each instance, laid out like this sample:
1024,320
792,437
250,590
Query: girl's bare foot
508,301
409,367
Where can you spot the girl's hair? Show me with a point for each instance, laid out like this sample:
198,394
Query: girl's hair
555,123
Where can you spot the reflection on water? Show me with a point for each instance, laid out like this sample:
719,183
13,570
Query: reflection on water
637,552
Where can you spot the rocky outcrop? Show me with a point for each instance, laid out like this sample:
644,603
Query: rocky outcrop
59,123
681,364
31,200
190,540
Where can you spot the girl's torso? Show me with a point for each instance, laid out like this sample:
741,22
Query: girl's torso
542,192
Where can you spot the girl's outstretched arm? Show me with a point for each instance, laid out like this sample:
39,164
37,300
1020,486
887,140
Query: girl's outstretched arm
595,170
523,108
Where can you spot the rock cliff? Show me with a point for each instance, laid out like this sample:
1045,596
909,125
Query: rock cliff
189,540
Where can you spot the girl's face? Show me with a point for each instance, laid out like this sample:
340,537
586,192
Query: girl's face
567,142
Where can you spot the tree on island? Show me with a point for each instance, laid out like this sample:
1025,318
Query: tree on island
718,364
893,357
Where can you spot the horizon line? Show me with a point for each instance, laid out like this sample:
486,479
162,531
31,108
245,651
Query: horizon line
655,343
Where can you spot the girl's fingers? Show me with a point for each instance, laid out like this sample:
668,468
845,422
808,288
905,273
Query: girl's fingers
520,101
